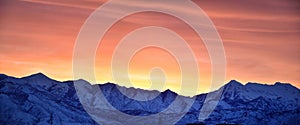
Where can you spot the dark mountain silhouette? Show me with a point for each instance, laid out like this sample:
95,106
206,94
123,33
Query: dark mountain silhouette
38,99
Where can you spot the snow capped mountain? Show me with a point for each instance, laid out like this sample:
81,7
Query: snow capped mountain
38,99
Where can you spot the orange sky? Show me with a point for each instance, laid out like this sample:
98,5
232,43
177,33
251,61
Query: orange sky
261,40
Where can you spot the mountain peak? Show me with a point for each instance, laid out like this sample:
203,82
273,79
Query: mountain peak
37,76
275,84
237,101
2,76
281,84
169,91
234,83
284,85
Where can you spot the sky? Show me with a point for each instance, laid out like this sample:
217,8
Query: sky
261,41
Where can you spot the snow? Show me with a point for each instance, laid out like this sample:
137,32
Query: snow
38,99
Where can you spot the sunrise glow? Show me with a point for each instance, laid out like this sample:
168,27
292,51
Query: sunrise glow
261,43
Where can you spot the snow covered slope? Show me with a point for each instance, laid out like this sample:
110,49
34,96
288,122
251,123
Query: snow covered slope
37,99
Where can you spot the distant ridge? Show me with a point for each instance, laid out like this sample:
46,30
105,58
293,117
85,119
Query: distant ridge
38,99
40,75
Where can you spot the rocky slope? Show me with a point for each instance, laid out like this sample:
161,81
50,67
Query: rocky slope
37,99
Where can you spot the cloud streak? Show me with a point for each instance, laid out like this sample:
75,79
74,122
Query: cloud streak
261,38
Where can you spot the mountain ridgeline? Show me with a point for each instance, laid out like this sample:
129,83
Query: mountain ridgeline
37,99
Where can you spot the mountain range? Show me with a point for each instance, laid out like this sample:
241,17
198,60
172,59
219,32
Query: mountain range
38,99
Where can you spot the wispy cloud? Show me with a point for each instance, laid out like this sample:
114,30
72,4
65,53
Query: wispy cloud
74,3
261,38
